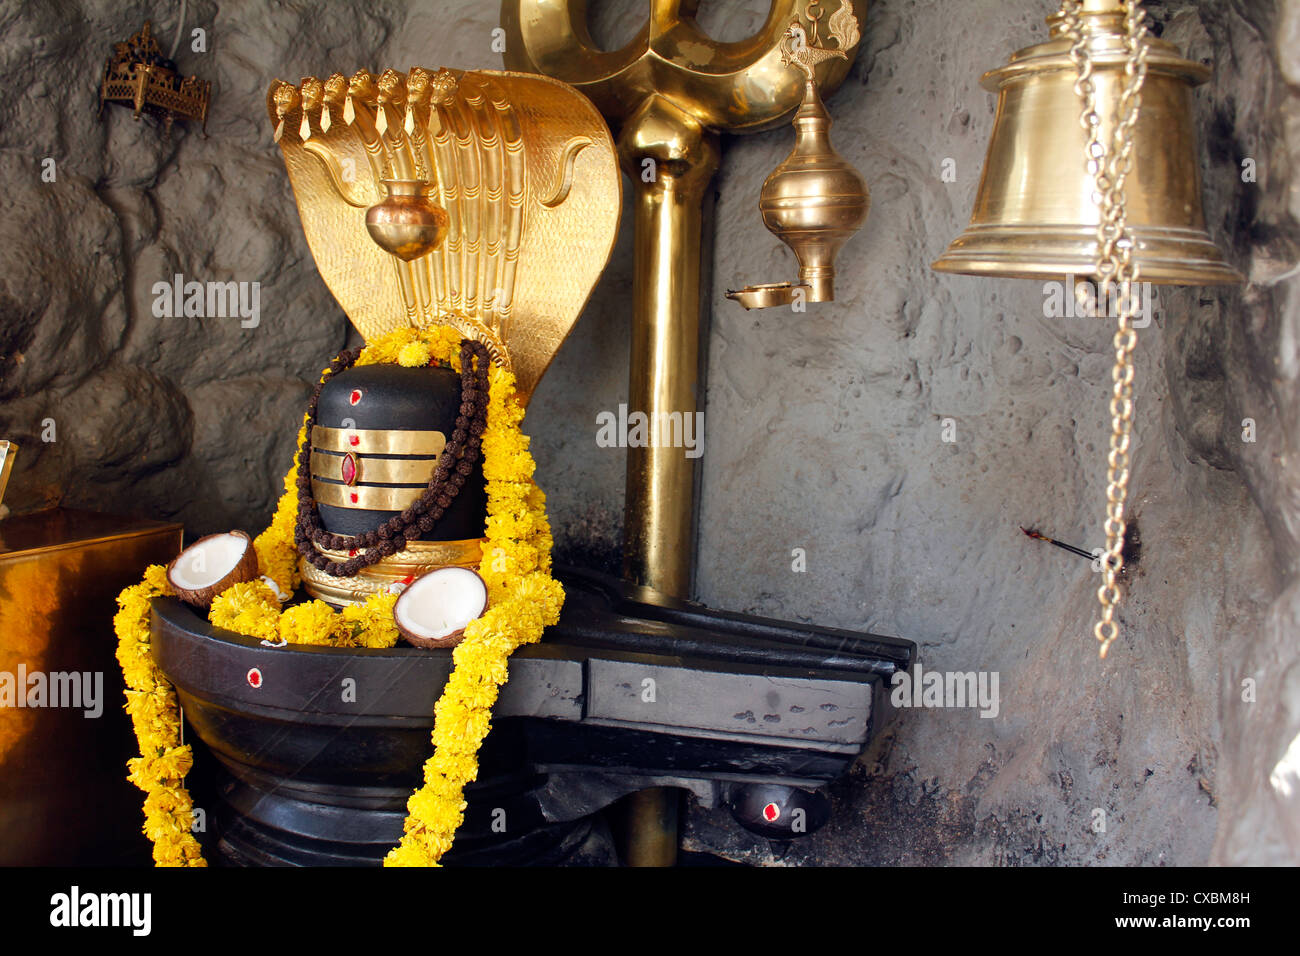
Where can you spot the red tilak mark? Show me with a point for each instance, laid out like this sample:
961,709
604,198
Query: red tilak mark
355,397
353,496
353,552
254,678
771,812
354,440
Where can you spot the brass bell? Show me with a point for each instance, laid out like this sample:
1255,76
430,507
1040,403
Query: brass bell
407,223
1035,212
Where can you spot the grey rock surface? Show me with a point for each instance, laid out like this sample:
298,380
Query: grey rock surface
823,429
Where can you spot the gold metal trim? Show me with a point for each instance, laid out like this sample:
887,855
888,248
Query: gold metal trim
420,554
381,471
365,497
418,558
8,450
378,441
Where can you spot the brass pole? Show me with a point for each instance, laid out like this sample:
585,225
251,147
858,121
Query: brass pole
671,159
651,828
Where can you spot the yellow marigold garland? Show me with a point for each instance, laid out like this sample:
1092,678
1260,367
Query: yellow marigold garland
524,599
151,701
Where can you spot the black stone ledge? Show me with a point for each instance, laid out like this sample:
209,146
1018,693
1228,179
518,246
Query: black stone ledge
620,684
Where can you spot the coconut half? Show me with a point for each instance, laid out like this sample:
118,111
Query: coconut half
435,608
212,564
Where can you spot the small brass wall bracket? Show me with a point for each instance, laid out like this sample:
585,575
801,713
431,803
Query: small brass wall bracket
8,450
815,200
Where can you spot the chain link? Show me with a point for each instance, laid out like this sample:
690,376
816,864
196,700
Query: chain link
1109,169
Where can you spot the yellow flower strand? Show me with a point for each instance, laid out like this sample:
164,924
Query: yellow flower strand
155,714
524,600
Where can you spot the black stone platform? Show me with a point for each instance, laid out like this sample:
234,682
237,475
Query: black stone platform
312,761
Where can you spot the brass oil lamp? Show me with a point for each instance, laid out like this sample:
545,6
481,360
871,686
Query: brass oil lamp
814,200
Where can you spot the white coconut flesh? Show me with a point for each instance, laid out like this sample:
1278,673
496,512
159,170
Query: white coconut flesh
206,562
440,603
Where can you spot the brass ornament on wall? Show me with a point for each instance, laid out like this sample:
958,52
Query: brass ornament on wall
814,200
668,93
485,200
1036,213
8,451
139,77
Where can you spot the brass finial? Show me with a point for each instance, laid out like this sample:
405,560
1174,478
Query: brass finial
815,200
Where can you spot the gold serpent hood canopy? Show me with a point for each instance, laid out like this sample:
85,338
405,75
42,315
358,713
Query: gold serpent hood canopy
524,167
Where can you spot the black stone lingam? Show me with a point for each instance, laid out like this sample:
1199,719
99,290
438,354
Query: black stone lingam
389,398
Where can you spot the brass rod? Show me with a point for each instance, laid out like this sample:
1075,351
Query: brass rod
666,375
671,159
652,827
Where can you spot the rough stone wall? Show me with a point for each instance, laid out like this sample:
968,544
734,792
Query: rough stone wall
829,421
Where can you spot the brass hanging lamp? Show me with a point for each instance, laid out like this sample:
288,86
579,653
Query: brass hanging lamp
814,201
1036,212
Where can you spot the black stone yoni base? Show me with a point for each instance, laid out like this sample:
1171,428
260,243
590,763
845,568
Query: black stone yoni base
630,690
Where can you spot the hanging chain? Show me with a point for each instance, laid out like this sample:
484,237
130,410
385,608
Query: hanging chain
813,5
1110,169
386,169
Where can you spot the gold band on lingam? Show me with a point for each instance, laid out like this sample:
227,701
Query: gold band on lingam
418,558
367,497
373,471
375,441
347,469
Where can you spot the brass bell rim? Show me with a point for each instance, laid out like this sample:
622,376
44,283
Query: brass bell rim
1164,255
1054,56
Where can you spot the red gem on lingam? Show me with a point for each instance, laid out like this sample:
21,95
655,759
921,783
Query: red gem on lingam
355,396
348,468
771,812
